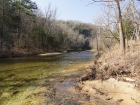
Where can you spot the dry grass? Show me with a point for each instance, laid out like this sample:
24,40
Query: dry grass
113,63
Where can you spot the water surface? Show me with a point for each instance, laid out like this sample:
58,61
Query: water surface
18,75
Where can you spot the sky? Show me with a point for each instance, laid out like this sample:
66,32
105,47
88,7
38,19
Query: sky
72,9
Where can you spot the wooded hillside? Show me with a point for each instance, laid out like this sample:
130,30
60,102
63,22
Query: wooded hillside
25,30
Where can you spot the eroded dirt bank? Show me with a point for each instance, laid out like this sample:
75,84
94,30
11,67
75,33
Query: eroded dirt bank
114,79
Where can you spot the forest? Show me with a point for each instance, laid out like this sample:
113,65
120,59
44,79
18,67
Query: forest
26,30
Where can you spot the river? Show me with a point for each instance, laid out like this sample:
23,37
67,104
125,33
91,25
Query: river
20,77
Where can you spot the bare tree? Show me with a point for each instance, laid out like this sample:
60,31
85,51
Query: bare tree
121,34
132,14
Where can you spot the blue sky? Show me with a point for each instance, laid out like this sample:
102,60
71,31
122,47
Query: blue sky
72,9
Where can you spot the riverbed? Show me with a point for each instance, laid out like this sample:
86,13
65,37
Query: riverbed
42,80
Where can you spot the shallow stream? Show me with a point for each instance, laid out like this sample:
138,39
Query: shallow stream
20,77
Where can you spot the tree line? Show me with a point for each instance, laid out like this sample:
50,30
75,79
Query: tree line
25,29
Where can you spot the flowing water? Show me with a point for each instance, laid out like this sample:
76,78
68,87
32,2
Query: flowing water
19,77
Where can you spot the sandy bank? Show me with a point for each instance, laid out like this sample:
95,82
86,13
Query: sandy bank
49,54
114,77
111,92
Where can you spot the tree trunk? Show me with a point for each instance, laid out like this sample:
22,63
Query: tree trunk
28,44
121,34
2,26
19,30
137,33
97,45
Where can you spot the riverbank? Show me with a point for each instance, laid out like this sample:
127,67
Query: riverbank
110,92
114,78
22,53
19,53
